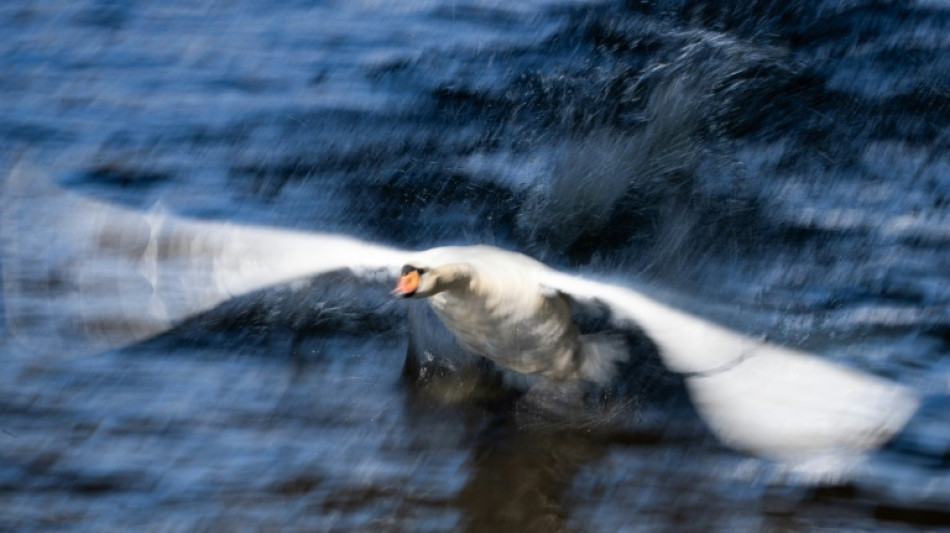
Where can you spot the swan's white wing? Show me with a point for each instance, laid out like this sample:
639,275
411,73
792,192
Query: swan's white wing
79,270
756,396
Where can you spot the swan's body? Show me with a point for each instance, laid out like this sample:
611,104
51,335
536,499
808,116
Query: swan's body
492,301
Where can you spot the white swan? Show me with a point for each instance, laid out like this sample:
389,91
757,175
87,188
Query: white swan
88,268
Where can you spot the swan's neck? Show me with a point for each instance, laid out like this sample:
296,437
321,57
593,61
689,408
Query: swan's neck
454,278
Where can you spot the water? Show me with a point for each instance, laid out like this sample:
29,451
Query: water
781,169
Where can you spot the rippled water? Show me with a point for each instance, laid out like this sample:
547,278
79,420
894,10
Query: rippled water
781,169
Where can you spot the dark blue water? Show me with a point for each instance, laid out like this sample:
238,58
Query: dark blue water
781,168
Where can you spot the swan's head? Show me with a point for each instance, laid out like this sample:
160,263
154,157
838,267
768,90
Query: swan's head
416,281
419,280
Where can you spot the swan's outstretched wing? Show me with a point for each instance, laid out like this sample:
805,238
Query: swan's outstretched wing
80,271
757,396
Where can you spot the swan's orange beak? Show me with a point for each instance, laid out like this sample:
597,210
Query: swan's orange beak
408,283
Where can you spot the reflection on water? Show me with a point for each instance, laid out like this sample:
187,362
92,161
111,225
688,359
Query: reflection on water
520,481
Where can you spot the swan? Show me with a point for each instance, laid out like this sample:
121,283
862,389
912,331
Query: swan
85,268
